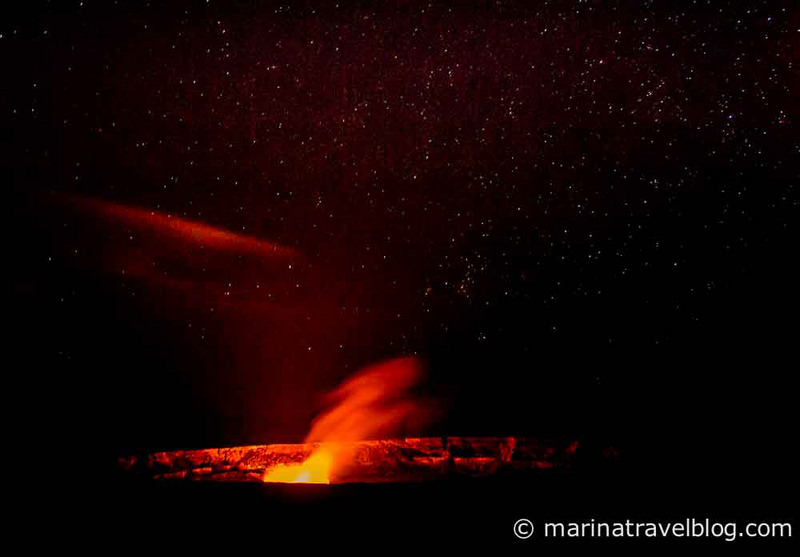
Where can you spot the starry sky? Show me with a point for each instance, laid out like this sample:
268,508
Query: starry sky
580,214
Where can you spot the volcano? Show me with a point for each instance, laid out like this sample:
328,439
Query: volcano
391,460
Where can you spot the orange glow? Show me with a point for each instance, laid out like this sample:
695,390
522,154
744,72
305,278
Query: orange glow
315,470
183,229
375,403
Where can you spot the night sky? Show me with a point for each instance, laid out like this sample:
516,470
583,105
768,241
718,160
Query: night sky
581,215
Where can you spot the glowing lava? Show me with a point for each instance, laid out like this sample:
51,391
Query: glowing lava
315,470
378,402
